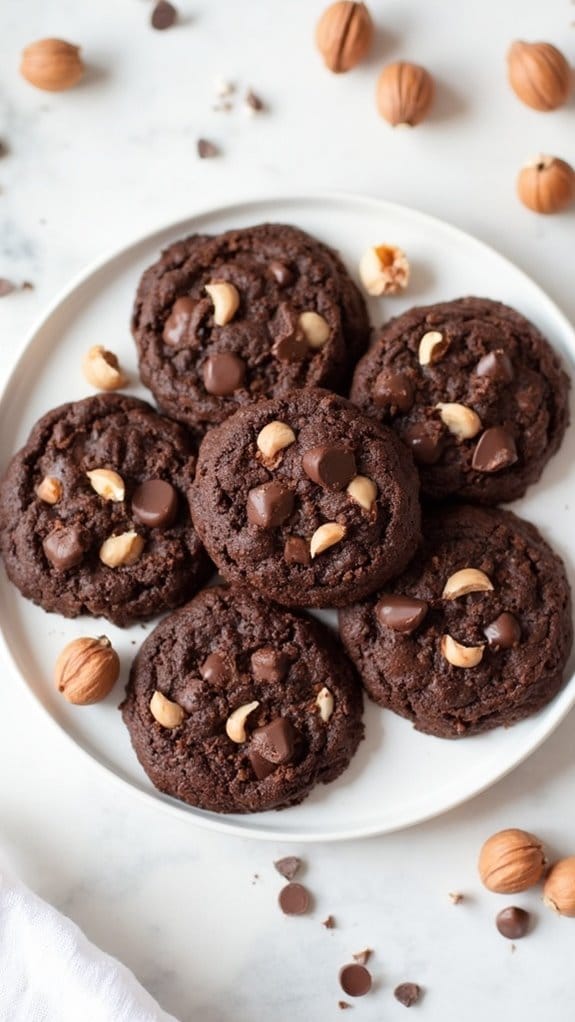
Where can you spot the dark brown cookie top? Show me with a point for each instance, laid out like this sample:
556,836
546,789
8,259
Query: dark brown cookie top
306,500
263,704
250,313
474,389
474,634
94,514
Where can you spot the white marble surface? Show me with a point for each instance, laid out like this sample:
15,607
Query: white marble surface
89,170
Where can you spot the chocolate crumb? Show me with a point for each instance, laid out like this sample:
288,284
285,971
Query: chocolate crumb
455,897
363,956
163,15
27,285
288,866
407,994
343,1005
207,150
329,923
254,102
6,287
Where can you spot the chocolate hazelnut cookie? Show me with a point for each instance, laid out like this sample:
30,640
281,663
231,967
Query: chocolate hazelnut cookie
306,500
474,389
237,706
94,516
222,321
476,632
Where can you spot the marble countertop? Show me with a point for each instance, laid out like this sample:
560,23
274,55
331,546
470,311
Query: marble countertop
194,914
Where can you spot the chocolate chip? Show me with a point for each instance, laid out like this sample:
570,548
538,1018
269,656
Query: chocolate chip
261,767
269,505
6,287
513,922
269,664
290,344
355,980
495,450
223,372
296,550
281,273
426,446
401,613
343,1005
393,391
215,669
254,102
207,150
65,547
497,366
155,504
407,994
163,15
288,866
180,321
275,742
504,632
294,899
330,466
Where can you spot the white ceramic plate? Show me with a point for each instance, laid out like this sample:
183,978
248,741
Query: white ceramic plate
398,777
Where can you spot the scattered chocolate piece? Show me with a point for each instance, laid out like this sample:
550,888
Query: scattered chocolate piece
455,897
504,632
496,365
343,1005
355,980
155,504
207,150
288,866
495,450
163,15
275,742
223,372
407,994
215,669
253,102
296,550
330,466
401,613
269,664
294,900
269,505
329,923
363,956
513,922
64,547
393,391
27,285
6,287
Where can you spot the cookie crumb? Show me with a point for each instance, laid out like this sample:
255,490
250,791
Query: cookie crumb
253,102
455,897
223,88
363,956
206,149
329,923
343,1005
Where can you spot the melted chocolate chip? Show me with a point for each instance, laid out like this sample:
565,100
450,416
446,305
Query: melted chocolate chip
179,323
495,450
294,899
261,767
401,613
269,664
330,466
393,391
215,669
275,742
497,366
269,505
290,344
355,980
281,273
65,547
504,632
223,372
407,994
296,550
426,447
155,504
513,922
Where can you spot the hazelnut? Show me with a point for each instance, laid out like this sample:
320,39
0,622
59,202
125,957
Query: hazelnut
559,887
324,537
432,347
467,580
236,722
363,491
343,35
124,549
102,369
538,74
324,702
49,490
546,184
87,670
404,93
384,270
107,484
273,438
511,861
315,329
167,713
458,655
226,301
52,64
463,422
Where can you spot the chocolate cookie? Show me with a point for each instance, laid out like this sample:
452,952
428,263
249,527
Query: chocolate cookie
222,321
474,389
237,706
94,517
306,500
475,634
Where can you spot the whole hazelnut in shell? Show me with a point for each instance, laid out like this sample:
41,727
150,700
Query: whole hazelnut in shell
559,888
546,184
511,861
343,35
538,74
87,670
52,65
404,93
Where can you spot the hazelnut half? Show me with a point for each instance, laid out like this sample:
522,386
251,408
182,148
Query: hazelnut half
559,887
538,74
343,35
546,184
384,270
87,670
52,65
511,861
404,93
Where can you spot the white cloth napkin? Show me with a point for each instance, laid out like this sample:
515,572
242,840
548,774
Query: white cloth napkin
50,972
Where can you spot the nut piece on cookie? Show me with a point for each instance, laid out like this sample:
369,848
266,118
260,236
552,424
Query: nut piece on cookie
458,655
226,300
49,490
236,722
432,347
118,551
167,713
466,580
327,535
463,422
107,484
273,438
316,330
363,491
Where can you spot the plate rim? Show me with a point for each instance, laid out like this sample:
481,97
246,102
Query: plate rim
558,709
